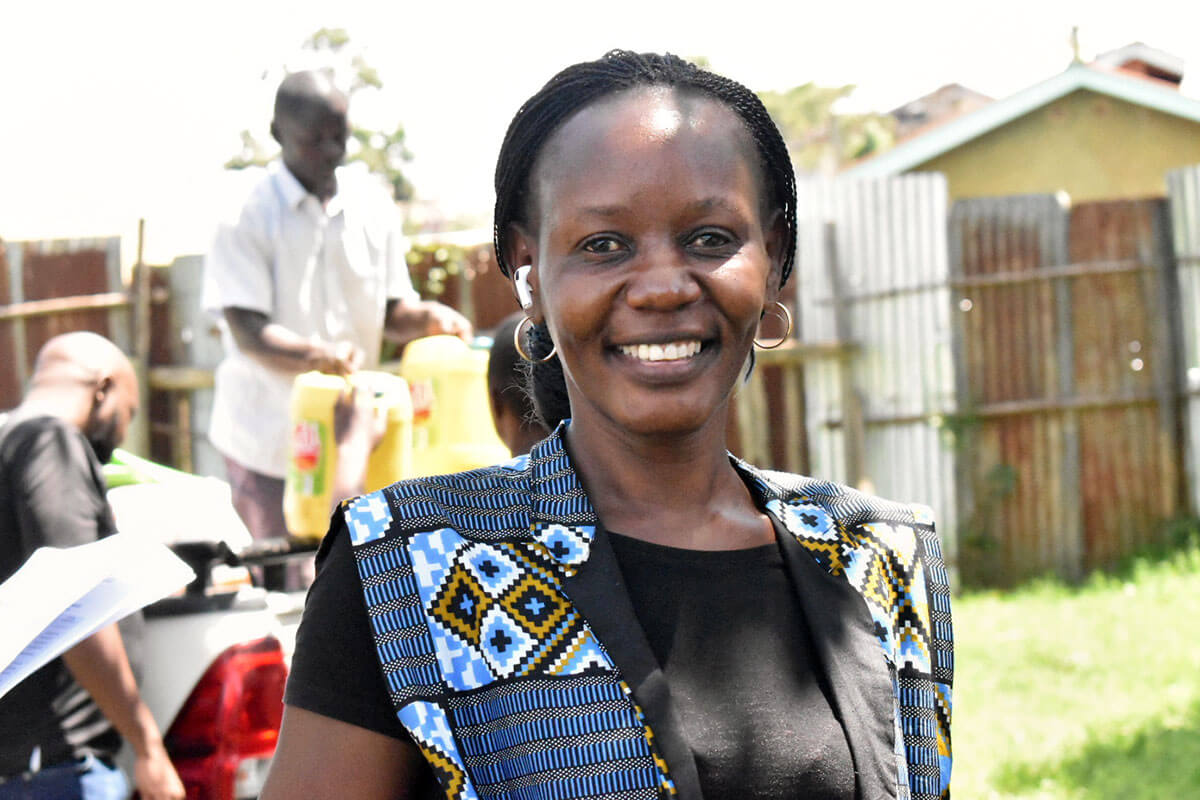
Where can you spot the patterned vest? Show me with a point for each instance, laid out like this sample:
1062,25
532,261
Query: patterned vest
513,658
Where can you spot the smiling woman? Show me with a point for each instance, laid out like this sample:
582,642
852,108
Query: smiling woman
628,611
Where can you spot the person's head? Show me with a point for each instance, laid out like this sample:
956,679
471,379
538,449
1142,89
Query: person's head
87,380
310,125
512,410
655,203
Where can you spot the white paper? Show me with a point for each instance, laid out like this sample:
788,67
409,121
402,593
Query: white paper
61,596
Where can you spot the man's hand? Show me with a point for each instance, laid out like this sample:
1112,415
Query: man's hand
100,665
412,319
342,358
358,428
155,778
278,347
357,420
443,319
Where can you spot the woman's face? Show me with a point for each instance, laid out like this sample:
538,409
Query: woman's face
652,259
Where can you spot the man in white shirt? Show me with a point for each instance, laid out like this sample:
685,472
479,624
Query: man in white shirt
310,275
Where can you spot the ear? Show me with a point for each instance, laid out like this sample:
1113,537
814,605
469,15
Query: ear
104,385
521,251
275,131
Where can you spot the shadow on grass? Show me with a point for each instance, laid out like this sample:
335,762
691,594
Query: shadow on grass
1156,762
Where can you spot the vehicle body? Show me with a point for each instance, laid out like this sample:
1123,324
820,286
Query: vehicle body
215,657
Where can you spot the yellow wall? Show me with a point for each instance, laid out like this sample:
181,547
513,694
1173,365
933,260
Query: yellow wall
1089,145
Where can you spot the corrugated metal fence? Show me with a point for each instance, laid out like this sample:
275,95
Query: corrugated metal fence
1066,356
1183,190
1020,368
37,278
872,270
1014,362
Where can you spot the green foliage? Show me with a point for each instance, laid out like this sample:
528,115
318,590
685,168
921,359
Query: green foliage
818,139
432,264
382,151
1082,692
331,39
252,154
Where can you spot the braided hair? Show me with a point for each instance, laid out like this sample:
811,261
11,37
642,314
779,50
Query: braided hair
579,86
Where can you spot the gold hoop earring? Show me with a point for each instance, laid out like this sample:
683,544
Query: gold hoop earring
787,316
521,350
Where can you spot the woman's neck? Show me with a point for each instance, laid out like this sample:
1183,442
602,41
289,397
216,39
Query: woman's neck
678,490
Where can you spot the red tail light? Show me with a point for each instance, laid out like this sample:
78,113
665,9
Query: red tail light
224,736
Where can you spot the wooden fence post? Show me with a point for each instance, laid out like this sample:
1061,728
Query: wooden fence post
15,252
1056,245
1171,369
853,432
138,438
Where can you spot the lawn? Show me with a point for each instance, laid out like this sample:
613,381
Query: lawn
1088,692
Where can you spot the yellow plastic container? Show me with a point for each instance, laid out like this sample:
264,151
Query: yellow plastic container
308,488
452,423
312,466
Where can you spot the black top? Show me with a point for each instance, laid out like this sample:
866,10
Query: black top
730,636
52,494
746,683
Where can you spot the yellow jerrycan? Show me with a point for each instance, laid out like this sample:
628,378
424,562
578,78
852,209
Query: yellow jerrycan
312,464
452,422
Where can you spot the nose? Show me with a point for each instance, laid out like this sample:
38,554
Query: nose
334,148
662,282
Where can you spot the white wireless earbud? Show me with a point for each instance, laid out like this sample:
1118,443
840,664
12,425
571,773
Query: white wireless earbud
524,293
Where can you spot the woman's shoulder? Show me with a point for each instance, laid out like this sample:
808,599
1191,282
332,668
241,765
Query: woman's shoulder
492,499
840,502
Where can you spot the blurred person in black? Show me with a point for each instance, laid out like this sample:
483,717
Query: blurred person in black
512,408
62,726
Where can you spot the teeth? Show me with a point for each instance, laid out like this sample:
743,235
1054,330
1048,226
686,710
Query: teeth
674,351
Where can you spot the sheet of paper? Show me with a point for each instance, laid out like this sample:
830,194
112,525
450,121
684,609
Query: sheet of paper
63,595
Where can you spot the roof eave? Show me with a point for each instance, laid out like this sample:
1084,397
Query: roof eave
957,132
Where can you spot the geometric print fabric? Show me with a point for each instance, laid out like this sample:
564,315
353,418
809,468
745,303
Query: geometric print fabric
572,737
891,565
503,684
497,612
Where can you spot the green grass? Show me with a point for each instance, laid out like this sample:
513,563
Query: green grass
1090,692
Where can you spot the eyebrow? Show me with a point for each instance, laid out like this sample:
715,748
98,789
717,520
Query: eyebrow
603,211
714,202
707,204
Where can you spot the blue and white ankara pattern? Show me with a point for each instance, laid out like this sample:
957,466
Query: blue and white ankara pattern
567,545
398,621
506,689
572,737
427,724
367,517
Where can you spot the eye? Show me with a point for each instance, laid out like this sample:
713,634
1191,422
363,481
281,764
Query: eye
603,244
710,239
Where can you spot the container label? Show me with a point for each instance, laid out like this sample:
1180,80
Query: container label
422,399
308,457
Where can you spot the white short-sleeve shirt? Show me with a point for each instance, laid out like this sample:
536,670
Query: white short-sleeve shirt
322,271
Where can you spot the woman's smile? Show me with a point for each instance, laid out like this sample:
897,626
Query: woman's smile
663,353
663,363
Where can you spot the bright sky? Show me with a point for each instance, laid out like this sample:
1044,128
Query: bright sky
123,109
